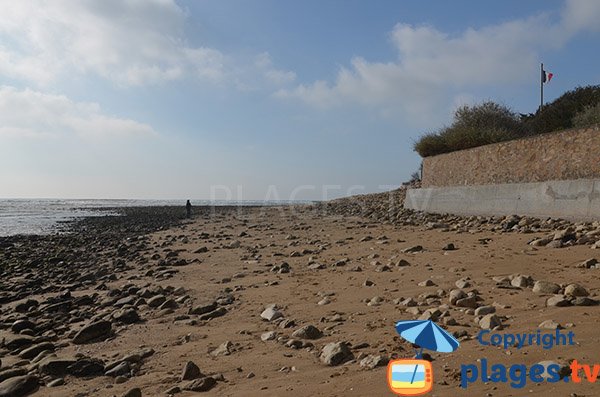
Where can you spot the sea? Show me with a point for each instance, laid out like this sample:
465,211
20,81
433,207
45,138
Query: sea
43,216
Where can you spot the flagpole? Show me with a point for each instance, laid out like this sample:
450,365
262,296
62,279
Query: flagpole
541,86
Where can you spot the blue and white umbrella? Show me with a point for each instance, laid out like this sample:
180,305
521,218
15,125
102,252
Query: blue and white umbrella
428,335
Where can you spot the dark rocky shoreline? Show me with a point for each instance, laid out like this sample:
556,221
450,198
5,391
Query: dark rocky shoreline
84,250
50,283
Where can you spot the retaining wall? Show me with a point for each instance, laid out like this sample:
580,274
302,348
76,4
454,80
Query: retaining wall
573,200
565,155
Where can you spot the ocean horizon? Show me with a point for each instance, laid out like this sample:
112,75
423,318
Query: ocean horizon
43,216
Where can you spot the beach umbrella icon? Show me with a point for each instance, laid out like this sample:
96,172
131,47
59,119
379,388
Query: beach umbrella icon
427,335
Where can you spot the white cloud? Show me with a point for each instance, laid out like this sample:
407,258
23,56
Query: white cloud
581,15
264,64
28,113
432,66
131,42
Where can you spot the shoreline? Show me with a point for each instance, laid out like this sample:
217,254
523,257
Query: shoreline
167,290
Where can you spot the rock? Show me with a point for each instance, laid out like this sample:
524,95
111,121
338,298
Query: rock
168,304
221,311
564,370
469,301
555,244
191,371
584,301
224,349
558,301
545,287
409,302
463,283
156,301
12,372
307,332
21,325
19,386
86,367
126,316
203,308
201,385
234,244
271,335
455,295
483,310
34,350
92,332
375,301
415,248
24,307
20,342
173,390
56,382
521,281
372,361
335,353
426,283
431,314
449,247
135,392
55,366
575,290
489,321
121,369
588,264
271,313
550,324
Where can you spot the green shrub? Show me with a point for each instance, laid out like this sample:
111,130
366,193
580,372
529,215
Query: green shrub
430,145
473,126
560,113
587,117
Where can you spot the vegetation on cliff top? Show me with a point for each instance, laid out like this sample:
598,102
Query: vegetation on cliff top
490,122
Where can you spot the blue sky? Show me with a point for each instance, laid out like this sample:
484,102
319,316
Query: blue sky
267,99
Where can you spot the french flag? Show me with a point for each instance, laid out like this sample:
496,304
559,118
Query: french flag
546,76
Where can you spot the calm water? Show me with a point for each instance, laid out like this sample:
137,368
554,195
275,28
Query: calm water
24,216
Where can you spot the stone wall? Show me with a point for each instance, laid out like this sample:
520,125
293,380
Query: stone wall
565,155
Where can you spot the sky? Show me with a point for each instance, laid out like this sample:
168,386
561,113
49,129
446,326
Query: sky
262,100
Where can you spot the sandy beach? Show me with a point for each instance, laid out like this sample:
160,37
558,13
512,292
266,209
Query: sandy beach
197,291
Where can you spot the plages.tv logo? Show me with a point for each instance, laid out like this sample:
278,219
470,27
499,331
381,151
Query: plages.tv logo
414,377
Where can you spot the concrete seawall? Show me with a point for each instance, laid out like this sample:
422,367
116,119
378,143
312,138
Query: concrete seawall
569,199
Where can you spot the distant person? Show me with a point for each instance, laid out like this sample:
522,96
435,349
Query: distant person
188,209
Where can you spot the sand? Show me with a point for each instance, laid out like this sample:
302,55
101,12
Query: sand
269,237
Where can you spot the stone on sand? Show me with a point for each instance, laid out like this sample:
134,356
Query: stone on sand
19,386
271,313
336,353
94,331
191,371
545,287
